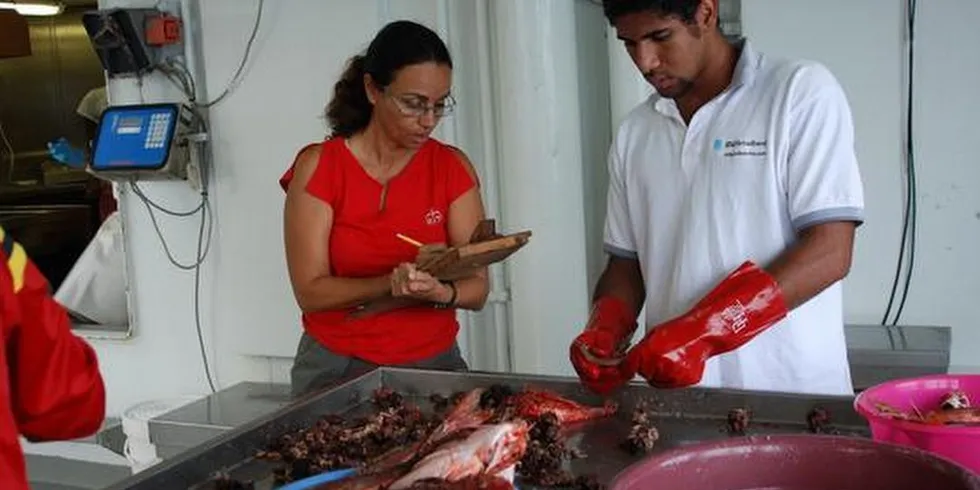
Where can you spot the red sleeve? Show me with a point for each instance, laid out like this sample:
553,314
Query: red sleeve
459,180
322,184
56,390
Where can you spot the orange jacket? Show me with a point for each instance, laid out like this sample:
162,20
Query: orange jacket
50,385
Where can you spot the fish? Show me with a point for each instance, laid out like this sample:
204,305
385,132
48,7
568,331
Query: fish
531,404
489,450
954,416
466,415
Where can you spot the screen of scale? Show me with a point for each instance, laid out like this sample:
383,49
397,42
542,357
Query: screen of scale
135,137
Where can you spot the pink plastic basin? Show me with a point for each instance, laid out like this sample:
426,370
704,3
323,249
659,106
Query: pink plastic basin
958,443
796,462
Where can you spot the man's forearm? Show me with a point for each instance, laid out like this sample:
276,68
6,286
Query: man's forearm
821,257
623,280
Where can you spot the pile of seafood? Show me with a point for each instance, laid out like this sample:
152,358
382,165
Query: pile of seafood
485,438
954,409
643,434
818,421
477,439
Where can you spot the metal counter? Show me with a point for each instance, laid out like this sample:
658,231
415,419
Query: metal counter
237,420
683,417
875,353
201,421
878,353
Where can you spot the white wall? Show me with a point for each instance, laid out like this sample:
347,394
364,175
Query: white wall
867,58
595,96
863,43
276,110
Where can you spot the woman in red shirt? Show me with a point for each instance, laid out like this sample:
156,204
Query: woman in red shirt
380,174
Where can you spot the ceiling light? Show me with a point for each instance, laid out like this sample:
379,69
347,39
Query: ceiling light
34,8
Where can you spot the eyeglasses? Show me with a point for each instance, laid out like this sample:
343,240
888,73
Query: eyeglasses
416,106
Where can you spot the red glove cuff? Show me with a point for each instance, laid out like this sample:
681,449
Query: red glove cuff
746,302
740,307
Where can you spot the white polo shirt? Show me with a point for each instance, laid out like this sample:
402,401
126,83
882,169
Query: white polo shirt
769,156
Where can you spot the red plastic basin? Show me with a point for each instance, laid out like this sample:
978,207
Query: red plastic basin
957,443
796,462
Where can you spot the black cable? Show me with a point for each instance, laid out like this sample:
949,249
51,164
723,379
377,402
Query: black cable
207,220
176,77
205,161
233,83
197,300
202,252
180,214
909,219
178,73
206,202
150,205
911,204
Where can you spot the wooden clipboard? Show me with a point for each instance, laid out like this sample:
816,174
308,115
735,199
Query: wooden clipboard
461,262
485,248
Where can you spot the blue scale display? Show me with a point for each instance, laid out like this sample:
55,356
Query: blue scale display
135,137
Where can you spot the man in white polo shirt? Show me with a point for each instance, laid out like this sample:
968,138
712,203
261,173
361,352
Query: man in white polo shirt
733,201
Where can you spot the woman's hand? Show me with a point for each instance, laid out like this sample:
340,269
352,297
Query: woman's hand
407,281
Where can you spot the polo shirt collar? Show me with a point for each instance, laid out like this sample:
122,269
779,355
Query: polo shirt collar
749,61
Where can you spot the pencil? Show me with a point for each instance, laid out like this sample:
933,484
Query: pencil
408,240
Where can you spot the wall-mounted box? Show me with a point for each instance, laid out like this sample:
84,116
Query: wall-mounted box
15,37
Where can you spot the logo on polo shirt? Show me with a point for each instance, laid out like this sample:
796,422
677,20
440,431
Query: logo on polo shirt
433,217
741,147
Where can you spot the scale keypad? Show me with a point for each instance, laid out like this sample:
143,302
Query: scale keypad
157,131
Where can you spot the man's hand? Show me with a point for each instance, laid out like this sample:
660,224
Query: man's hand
742,306
604,339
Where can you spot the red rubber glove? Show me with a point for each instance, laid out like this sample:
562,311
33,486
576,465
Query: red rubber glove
743,305
610,328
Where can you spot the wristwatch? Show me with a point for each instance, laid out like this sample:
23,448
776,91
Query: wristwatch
452,299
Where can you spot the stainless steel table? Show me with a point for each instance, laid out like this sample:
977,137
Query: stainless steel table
683,417
201,421
878,353
218,424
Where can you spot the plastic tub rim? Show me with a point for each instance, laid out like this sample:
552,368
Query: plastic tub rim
671,454
863,405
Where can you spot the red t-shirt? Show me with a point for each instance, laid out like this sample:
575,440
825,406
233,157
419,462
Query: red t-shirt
363,243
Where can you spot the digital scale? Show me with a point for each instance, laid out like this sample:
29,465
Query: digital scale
146,142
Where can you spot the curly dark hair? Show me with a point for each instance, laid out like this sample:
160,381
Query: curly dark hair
683,9
397,45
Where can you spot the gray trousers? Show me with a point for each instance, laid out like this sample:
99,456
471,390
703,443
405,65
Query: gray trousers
315,367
